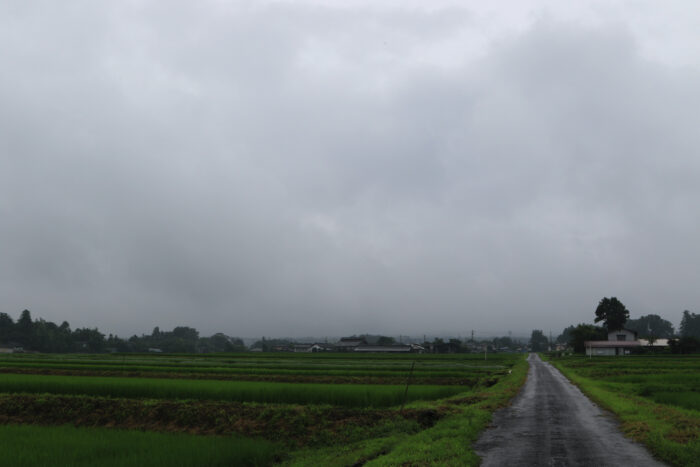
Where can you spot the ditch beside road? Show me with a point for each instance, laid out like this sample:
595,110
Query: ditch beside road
551,423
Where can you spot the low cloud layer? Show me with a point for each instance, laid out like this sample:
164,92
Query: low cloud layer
289,169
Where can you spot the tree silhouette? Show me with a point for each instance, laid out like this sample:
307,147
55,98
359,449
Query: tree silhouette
612,313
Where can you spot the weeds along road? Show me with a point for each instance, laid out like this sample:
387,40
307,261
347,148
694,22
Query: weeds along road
551,423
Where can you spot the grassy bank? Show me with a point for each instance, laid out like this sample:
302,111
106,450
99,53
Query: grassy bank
655,399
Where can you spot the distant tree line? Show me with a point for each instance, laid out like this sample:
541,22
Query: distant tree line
44,336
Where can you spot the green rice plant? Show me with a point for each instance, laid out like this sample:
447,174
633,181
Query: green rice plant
348,395
27,445
685,399
331,371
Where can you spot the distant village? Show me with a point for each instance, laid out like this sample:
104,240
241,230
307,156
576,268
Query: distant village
384,344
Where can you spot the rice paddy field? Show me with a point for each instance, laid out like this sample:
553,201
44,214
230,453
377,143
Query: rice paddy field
656,397
250,408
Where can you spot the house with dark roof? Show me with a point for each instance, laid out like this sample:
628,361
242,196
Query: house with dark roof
619,343
348,344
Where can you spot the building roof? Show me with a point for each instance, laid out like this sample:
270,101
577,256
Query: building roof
383,348
350,342
611,344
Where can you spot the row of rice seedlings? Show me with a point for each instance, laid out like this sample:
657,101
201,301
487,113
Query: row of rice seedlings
319,359
348,395
284,366
419,370
289,362
26,445
263,371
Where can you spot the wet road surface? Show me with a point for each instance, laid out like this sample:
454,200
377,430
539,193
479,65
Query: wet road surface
551,423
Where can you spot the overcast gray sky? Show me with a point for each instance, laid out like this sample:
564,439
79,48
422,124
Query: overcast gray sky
299,168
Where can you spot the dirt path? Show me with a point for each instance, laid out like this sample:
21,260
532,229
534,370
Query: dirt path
551,423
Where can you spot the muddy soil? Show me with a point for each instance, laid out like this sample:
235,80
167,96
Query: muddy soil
551,423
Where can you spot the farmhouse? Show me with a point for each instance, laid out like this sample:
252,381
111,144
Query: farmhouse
315,347
619,343
348,344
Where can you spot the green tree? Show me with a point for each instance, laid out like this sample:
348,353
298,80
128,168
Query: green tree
690,325
186,333
538,341
88,340
565,336
386,340
25,329
612,313
651,327
7,328
504,342
586,332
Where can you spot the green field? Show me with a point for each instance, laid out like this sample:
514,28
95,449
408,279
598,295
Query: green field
656,397
271,408
26,445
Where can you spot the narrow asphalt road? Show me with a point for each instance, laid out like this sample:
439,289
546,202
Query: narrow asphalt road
551,423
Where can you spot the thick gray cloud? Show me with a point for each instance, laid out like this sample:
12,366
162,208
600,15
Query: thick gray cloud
289,169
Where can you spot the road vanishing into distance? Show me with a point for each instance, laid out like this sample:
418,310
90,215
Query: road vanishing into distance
551,423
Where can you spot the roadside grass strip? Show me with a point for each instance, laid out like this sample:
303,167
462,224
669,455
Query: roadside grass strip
347,395
665,417
28,445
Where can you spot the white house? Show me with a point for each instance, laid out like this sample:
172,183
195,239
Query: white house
619,343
